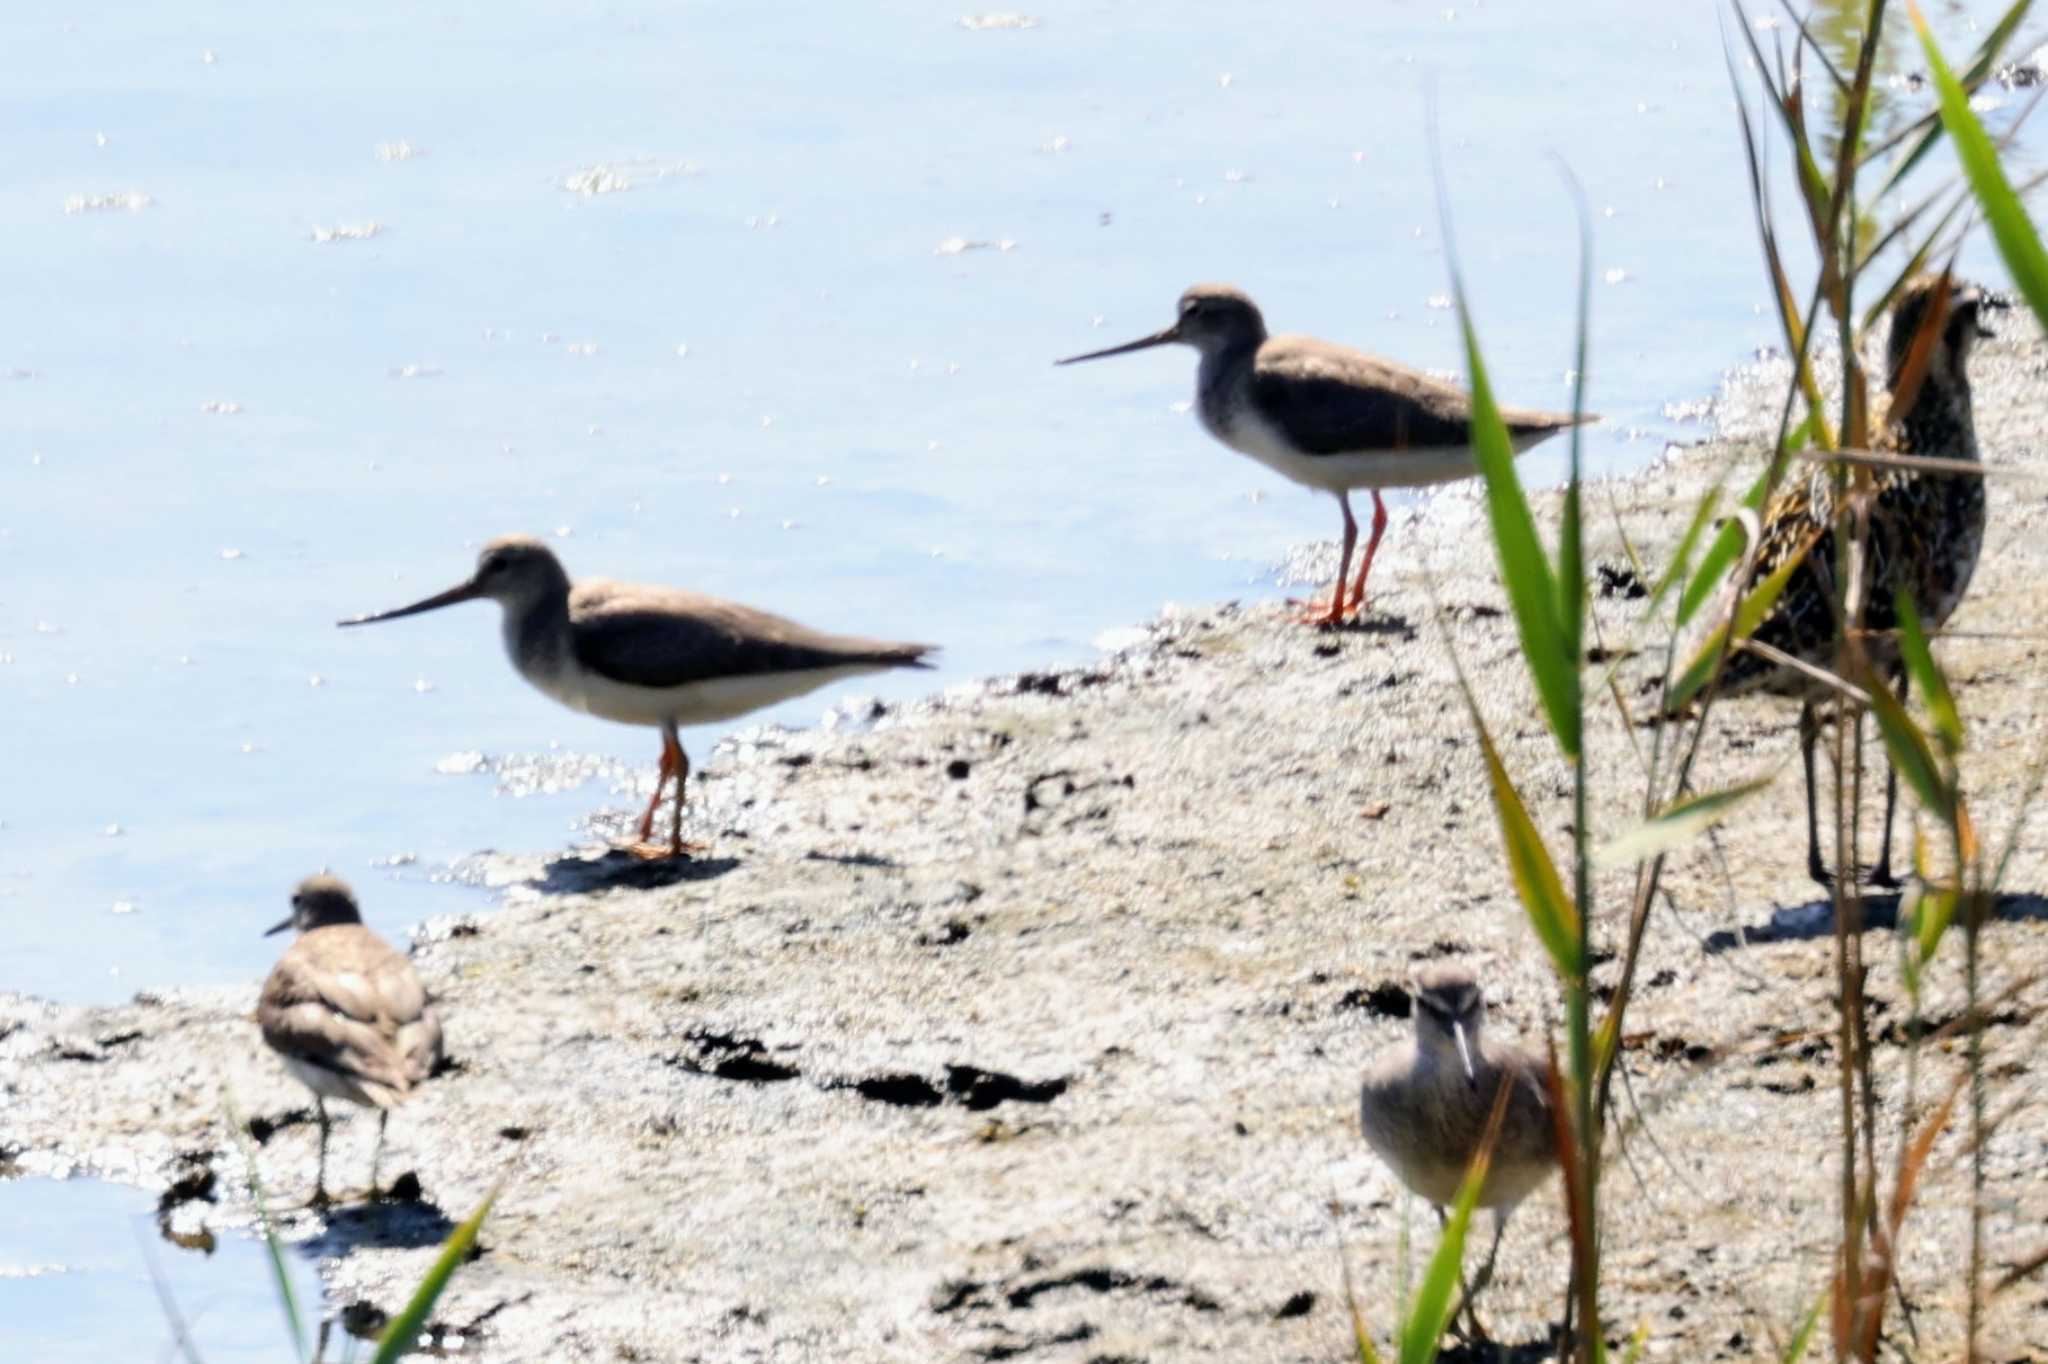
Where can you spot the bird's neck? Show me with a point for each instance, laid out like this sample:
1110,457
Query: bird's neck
537,633
1220,382
1939,423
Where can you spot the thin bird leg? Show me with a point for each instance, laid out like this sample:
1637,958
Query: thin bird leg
670,750
377,1151
1883,875
675,825
1372,545
1467,1303
1335,614
320,1199
1809,733
1443,1222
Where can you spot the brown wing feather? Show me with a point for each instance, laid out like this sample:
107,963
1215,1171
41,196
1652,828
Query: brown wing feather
344,1000
1335,400
666,637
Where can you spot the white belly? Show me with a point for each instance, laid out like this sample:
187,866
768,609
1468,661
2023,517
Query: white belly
1409,467
694,703
332,1085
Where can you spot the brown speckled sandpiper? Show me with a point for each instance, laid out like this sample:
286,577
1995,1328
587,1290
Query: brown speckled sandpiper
1926,533
346,1013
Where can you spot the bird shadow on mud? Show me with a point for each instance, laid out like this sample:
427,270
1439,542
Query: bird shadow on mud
1816,919
1373,624
401,1220
1488,1351
618,869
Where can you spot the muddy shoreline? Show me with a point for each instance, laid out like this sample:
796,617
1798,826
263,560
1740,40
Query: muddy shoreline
1025,1022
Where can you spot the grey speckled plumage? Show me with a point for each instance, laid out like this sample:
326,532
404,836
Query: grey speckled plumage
1424,1105
1926,533
346,1012
1327,416
657,656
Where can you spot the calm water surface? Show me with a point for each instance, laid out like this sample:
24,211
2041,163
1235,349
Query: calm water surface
757,299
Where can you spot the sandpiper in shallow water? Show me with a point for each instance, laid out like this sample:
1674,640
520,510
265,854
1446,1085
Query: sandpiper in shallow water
1326,416
1426,1102
1926,533
346,1013
656,656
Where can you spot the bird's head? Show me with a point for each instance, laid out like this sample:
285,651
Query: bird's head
512,570
1450,1011
1944,315
319,901
1212,318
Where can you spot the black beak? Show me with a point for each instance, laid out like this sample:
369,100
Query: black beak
278,928
1165,338
468,591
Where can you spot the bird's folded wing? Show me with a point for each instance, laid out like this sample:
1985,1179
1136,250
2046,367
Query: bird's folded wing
332,1020
658,637
1340,402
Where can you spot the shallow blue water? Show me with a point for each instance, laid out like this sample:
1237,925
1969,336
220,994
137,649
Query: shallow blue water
798,354
78,1262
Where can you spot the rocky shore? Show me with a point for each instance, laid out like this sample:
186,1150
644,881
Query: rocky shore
1025,1022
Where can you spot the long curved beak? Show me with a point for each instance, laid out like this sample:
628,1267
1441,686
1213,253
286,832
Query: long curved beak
468,591
1464,1051
278,928
1165,338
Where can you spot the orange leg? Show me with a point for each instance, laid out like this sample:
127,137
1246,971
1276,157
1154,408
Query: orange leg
1372,545
671,754
1334,614
675,824
674,763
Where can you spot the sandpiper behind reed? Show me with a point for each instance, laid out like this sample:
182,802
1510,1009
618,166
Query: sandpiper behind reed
1426,1102
1328,417
346,1013
656,656
1926,534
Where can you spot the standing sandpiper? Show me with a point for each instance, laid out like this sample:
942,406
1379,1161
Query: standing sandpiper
347,1013
1926,532
1327,416
656,656
1426,1103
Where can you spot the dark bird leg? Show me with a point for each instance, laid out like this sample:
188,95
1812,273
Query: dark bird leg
1809,733
1468,1299
1883,876
1470,1327
377,1151
1372,545
320,1199
1335,615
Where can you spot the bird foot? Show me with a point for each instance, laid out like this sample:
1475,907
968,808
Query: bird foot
320,1201
649,850
1323,611
1880,877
